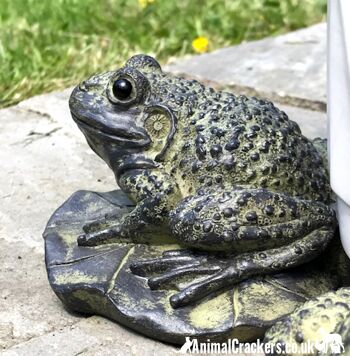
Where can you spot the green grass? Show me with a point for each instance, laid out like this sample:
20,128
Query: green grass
51,44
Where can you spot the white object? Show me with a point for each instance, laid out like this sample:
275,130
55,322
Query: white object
339,111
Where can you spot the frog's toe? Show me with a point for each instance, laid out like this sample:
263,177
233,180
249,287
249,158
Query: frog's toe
97,238
159,265
89,239
171,277
197,291
82,240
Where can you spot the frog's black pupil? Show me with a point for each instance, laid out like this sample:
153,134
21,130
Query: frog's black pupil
122,89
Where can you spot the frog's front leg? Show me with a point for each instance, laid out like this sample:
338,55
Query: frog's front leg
264,230
150,211
155,194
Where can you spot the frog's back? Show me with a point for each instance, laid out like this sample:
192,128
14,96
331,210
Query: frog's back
227,140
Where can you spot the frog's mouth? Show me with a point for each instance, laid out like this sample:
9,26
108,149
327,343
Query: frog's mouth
122,134
134,162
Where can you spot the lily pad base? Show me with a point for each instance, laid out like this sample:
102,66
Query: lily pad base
97,280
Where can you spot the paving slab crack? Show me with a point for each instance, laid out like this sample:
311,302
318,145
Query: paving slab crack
34,136
37,112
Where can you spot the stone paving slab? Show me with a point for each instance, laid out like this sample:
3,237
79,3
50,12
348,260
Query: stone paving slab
41,164
91,336
289,68
28,306
44,159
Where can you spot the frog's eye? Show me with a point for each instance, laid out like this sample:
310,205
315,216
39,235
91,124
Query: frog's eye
128,87
122,89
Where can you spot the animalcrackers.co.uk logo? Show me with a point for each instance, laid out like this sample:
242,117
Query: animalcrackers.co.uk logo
331,343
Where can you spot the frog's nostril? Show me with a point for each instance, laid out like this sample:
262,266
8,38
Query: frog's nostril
88,84
83,86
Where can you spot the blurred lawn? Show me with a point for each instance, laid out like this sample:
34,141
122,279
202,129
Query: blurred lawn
52,44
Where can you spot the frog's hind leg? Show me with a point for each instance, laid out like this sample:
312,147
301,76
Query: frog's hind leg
280,232
245,220
223,273
249,264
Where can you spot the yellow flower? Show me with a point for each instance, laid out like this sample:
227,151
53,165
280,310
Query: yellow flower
200,44
145,3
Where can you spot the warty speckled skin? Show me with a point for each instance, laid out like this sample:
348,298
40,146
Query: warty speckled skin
314,322
218,172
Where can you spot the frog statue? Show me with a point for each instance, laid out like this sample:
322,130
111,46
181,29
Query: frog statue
229,177
219,172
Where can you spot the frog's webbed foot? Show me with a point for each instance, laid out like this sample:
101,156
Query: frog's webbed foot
175,265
